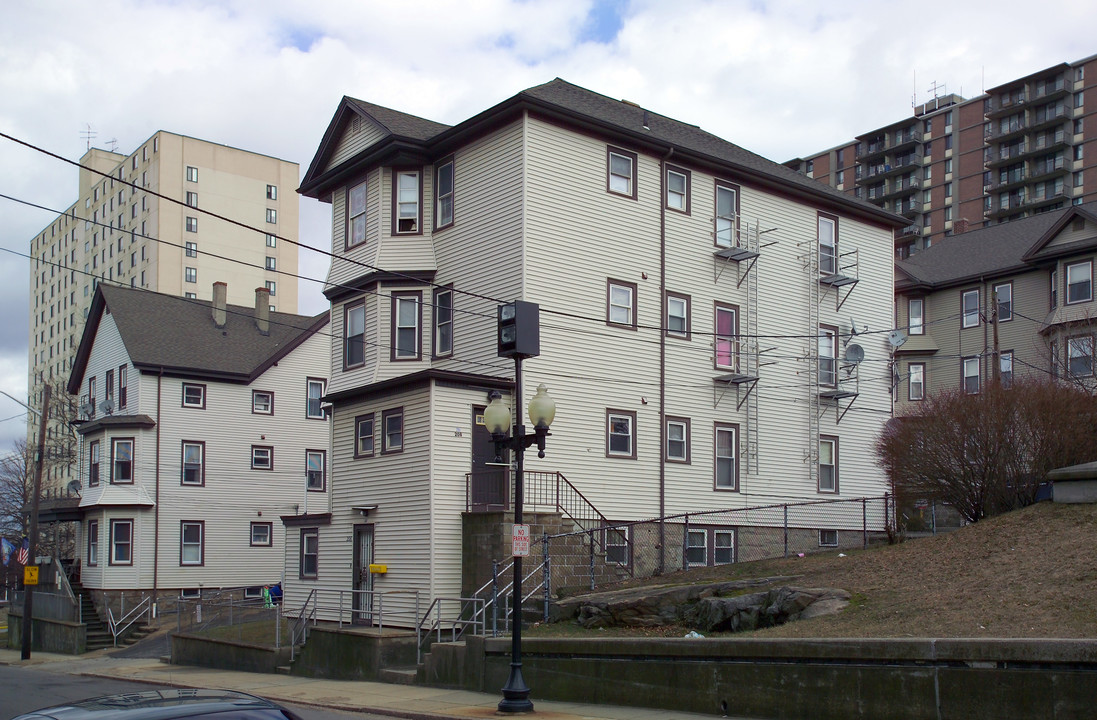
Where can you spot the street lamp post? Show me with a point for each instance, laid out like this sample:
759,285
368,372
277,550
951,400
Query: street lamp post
497,418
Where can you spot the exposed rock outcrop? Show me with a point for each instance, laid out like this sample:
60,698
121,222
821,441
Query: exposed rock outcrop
719,607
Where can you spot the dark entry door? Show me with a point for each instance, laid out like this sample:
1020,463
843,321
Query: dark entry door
488,486
363,579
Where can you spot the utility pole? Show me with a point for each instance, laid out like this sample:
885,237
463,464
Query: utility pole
39,459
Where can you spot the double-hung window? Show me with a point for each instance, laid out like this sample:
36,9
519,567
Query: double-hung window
262,457
1079,282
916,381
93,465
678,440
620,434
677,316
697,547
727,457
121,456
271,263
194,395
272,216
354,335
443,322
1005,369
1080,356
621,303
1053,289
91,397
272,192
262,402
828,356
192,226
726,341
1004,295
970,309
356,215
192,199
192,542
678,180
408,202
406,322
315,470
727,215
93,542
392,430
123,386
363,435
616,541
310,553
443,193
192,174
828,245
723,547
262,534
190,275
314,391
621,172
121,542
194,463
916,310
828,464
971,375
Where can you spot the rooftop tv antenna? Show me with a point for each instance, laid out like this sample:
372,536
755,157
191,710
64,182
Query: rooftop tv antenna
88,135
113,143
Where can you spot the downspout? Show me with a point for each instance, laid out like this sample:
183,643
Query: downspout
156,504
663,355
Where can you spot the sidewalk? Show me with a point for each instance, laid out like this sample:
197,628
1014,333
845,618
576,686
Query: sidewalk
406,701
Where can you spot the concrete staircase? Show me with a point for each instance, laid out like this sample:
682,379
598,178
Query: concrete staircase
98,631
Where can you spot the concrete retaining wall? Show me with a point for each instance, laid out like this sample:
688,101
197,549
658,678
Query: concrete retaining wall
820,679
344,655
226,655
55,636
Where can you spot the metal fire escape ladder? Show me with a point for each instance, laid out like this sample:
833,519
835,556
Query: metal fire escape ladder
844,279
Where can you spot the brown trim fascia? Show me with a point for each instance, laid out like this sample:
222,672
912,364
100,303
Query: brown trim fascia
365,283
306,519
421,378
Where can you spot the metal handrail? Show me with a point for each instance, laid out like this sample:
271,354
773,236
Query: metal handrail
119,626
458,624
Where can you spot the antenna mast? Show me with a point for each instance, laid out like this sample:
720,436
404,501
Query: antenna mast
88,135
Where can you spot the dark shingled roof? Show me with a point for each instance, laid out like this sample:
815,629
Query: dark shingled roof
585,108
398,123
984,252
685,136
179,335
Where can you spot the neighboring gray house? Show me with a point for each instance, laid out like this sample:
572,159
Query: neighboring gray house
1040,271
695,311
201,425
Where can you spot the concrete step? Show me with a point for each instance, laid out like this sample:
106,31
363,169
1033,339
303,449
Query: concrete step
283,669
398,675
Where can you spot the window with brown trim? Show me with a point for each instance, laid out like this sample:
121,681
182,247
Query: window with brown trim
621,303
407,201
262,534
726,231
93,542
121,461
442,337
354,334
316,477
193,463
392,431
192,542
828,464
678,440
121,542
726,462
443,193
262,402
194,396
621,172
677,320
262,457
356,215
407,324
726,339
309,562
678,189
93,463
621,434
363,436
916,381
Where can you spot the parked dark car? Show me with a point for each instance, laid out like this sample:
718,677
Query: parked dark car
167,705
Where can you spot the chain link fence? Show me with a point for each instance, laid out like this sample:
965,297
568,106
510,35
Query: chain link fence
582,560
252,621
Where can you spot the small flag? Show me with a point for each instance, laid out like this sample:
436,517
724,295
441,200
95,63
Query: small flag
24,551
7,547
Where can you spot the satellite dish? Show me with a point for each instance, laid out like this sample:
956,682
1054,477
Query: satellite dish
74,487
107,406
896,338
854,353
86,408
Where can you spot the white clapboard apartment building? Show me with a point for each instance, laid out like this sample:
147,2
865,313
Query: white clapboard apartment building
695,309
201,425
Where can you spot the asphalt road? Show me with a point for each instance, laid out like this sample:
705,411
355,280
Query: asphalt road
24,689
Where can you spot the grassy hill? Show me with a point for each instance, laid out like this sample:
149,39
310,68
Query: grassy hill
1031,573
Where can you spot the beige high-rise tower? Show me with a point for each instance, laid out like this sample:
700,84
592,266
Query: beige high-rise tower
119,232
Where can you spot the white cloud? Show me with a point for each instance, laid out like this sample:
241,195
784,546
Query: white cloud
782,78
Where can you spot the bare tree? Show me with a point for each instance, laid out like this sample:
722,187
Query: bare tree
16,478
988,453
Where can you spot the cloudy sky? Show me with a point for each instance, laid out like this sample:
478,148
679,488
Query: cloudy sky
783,78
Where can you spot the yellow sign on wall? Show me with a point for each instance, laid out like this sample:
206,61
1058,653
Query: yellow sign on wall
30,575
378,569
